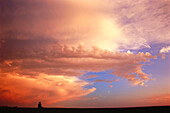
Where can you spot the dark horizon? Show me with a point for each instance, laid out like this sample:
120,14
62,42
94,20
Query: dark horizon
164,109
86,107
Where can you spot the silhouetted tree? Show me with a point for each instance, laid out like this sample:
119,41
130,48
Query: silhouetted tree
39,105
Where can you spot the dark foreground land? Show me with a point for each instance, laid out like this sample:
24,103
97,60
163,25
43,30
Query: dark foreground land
161,109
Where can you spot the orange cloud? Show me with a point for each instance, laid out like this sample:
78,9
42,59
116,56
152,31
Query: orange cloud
110,86
103,80
49,89
162,99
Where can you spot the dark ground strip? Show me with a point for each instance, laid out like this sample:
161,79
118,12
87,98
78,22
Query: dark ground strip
162,109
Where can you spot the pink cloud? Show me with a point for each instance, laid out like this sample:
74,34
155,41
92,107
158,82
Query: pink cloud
71,61
92,22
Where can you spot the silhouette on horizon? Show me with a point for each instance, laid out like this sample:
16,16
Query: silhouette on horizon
39,105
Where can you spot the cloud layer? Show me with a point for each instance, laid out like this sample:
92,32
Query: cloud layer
72,61
107,24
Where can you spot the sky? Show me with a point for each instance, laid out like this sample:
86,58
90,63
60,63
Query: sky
85,53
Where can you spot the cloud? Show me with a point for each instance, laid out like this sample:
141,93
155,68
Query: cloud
67,21
89,76
165,49
57,59
22,90
145,21
162,99
110,25
110,86
107,81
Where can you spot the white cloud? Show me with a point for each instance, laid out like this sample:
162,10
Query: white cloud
165,49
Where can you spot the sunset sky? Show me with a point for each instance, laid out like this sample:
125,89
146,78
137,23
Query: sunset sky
85,53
